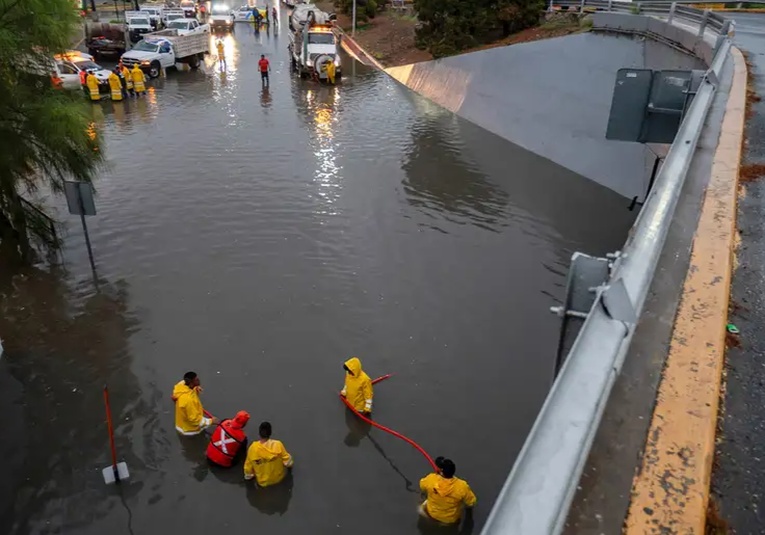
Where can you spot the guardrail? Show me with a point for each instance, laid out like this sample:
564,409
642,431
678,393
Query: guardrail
537,494
705,19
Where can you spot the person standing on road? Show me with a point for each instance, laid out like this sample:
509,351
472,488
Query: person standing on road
447,495
267,459
190,416
358,386
221,54
138,80
84,81
274,18
264,67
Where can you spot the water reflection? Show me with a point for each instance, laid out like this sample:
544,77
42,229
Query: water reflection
442,183
62,345
273,500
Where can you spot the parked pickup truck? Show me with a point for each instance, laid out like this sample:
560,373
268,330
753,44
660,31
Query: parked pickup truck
188,26
165,48
172,14
138,23
155,14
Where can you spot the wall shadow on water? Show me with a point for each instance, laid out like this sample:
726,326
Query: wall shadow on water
460,172
62,346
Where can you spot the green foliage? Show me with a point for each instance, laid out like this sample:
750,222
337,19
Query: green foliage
47,135
371,8
448,26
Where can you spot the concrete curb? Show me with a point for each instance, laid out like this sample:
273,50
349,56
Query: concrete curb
355,50
670,492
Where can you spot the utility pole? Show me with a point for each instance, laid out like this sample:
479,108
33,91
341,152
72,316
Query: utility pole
353,27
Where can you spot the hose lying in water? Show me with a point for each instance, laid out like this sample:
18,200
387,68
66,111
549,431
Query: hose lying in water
388,430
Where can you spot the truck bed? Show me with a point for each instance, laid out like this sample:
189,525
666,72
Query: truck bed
184,45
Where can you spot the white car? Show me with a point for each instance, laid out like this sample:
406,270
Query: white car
243,14
188,26
69,68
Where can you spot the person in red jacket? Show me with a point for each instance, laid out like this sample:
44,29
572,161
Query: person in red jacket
228,440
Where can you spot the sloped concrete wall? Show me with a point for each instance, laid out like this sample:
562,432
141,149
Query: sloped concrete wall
551,97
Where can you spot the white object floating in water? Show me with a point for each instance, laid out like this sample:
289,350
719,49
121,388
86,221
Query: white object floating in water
122,470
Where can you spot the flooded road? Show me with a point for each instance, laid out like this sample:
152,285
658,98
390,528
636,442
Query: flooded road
261,238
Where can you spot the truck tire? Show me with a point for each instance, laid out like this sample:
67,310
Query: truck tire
155,69
194,62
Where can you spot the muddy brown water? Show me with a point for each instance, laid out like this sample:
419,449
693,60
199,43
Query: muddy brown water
260,238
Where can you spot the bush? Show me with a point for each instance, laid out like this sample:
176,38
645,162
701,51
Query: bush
370,9
449,26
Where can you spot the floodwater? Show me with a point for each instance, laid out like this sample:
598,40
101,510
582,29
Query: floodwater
261,238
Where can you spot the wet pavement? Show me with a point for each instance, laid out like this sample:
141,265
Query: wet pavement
737,483
260,238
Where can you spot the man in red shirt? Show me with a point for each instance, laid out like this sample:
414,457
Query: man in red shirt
265,67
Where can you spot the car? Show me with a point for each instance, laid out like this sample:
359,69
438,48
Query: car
69,69
188,26
189,8
244,13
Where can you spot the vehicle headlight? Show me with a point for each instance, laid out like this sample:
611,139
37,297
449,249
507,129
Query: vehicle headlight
337,61
145,62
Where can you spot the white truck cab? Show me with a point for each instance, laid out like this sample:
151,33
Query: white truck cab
221,17
138,23
188,26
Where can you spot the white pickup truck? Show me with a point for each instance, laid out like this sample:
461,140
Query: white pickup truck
163,49
138,23
155,15
172,14
188,26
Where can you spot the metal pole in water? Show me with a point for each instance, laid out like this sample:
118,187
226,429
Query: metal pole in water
111,434
353,27
87,236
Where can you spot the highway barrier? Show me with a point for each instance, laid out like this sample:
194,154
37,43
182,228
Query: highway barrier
537,495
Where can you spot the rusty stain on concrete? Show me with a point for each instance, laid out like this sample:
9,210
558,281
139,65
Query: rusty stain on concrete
673,481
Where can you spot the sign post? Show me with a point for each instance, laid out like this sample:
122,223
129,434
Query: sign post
79,199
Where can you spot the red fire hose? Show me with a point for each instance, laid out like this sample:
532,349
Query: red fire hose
388,430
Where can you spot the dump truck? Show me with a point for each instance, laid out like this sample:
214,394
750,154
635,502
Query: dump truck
165,48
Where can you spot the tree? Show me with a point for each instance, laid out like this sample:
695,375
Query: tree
449,26
47,134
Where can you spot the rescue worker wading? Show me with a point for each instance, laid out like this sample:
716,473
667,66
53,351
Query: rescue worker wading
92,83
227,440
267,459
138,80
127,77
446,495
358,386
115,84
189,415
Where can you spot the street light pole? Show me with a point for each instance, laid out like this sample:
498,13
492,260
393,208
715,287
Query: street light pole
353,28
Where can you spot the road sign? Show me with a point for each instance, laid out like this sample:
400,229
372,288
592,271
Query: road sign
79,198
648,106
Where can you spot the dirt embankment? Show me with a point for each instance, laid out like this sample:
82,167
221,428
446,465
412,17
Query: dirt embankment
389,37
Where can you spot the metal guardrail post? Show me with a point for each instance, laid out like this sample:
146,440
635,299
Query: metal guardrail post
672,9
581,7
703,24
610,5
537,494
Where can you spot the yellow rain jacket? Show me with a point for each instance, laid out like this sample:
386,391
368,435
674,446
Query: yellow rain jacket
138,79
267,462
446,497
330,65
92,82
358,386
116,86
128,77
189,414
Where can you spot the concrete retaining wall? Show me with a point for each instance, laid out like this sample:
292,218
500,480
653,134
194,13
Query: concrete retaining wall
553,96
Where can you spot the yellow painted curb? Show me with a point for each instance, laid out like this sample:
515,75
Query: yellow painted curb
670,492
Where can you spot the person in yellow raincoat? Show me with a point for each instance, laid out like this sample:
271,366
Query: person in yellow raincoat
138,80
128,77
330,68
116,86
190,418
447,495
358,386
92,82
267,459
